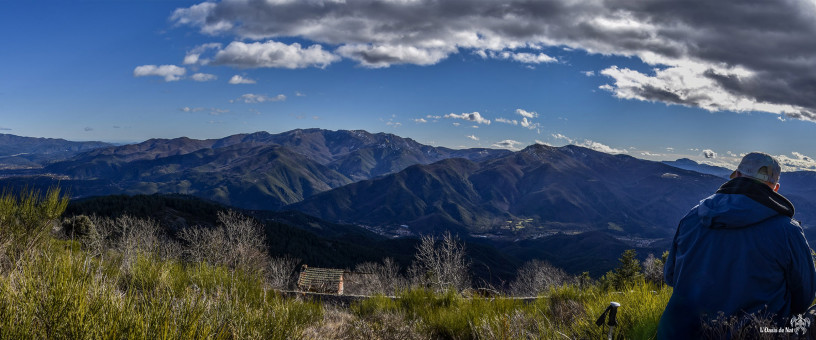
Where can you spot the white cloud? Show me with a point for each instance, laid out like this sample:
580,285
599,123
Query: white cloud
559,136
589,144
213,111
203,77
299,94
473,137
528,124
393,124
542,142
457,124
527,114
420,120
601,147
708,153
650,154
169,72
251,98
433,117
386,55
694,85
236,79
508,144
194,56
197,15
522,57
473,117
798,162
273,54
588,73
507,121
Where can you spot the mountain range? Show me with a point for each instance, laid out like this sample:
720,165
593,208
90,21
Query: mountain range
539,202
535,191
27,152
256,171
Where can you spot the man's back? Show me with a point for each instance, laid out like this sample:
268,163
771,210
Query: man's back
738,252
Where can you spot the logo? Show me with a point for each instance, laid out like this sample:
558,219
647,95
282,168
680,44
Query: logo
800,325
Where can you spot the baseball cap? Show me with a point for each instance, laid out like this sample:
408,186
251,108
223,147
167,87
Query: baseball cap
761,166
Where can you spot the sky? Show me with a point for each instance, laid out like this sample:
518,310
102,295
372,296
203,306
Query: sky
653,79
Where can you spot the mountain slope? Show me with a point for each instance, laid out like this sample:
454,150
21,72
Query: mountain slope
29,152
687,164
254,177
569,188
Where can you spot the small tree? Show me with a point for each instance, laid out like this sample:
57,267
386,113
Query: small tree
653,269
441,264
628,271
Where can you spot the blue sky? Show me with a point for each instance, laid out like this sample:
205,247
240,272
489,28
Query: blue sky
655,80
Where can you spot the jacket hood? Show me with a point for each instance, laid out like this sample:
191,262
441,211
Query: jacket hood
742,202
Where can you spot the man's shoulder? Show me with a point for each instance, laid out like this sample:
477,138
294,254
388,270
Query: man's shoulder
786,225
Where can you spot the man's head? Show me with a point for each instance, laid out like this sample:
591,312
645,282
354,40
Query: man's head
759,166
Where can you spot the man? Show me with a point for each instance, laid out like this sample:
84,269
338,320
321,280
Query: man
738,252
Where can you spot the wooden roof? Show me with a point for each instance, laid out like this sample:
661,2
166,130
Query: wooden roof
321,279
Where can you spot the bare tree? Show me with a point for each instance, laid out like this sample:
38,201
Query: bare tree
378,278
536,277
128,235
237,242
653,269
441,264
281,271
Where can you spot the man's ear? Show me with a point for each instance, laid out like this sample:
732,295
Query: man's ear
776,187
734,174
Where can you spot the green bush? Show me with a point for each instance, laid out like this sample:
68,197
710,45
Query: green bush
63,293
26,221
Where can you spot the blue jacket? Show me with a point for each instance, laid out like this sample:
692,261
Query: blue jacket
738,252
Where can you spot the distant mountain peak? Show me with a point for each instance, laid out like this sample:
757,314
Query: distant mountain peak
688,164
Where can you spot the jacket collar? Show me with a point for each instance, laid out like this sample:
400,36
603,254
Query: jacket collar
760,193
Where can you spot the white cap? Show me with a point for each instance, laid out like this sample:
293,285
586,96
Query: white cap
761,166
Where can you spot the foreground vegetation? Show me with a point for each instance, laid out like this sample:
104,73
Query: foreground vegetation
91,278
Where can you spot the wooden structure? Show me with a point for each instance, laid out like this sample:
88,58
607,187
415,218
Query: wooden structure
321,280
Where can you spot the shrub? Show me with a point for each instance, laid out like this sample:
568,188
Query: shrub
26,222
372,278
78,226
535,277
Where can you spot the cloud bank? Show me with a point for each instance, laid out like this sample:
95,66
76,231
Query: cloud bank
715,55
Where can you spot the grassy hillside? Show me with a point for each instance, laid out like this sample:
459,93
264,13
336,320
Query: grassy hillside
136,286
